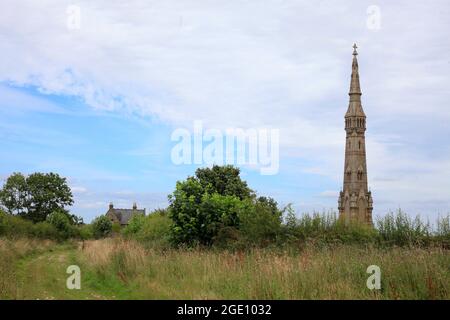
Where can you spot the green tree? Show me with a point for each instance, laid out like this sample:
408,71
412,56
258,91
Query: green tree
14,194
224,180
101,227
218,212
75,220
36,196
270,204
203,204
185,211
48,192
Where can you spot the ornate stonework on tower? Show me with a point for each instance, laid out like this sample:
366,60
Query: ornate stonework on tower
355,200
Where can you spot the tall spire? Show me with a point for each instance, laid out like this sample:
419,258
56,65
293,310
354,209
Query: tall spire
355,107
354,82
355,200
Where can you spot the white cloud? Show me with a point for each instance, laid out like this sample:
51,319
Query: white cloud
329,194
282,64
78,190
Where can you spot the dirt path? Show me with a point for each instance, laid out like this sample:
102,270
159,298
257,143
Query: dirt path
43,276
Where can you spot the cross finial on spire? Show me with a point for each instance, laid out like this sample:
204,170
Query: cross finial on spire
354,49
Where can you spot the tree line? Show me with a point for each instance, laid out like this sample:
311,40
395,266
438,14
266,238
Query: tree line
214,207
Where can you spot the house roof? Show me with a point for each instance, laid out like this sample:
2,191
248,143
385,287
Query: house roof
124,215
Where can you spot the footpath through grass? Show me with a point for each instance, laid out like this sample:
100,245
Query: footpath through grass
33,269
121,269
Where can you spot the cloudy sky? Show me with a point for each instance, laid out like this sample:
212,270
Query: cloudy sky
94,89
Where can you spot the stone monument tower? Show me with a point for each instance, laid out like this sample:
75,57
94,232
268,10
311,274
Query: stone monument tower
355,200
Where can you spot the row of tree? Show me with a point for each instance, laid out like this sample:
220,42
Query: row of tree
213,207
202,208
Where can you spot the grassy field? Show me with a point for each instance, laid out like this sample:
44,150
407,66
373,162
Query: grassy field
123,269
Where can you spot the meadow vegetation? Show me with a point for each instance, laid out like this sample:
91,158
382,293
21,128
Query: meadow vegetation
310,257
217,239
129,270
12,251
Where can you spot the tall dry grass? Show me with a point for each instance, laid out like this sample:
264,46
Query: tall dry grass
336,272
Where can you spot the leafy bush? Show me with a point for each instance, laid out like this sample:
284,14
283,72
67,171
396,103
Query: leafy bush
325,227
260,221
202,205
185,211
443,228
45,230
198,216
2,222
217,211
116,228
393,229
86,231
310,226
59,220
400,229
134,225
101,227
356,232
230,238
156,228
153,230
15,227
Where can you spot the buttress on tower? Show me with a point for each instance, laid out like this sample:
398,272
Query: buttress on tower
355,200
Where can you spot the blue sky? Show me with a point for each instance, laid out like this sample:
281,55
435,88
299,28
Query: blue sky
98,103
109,157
